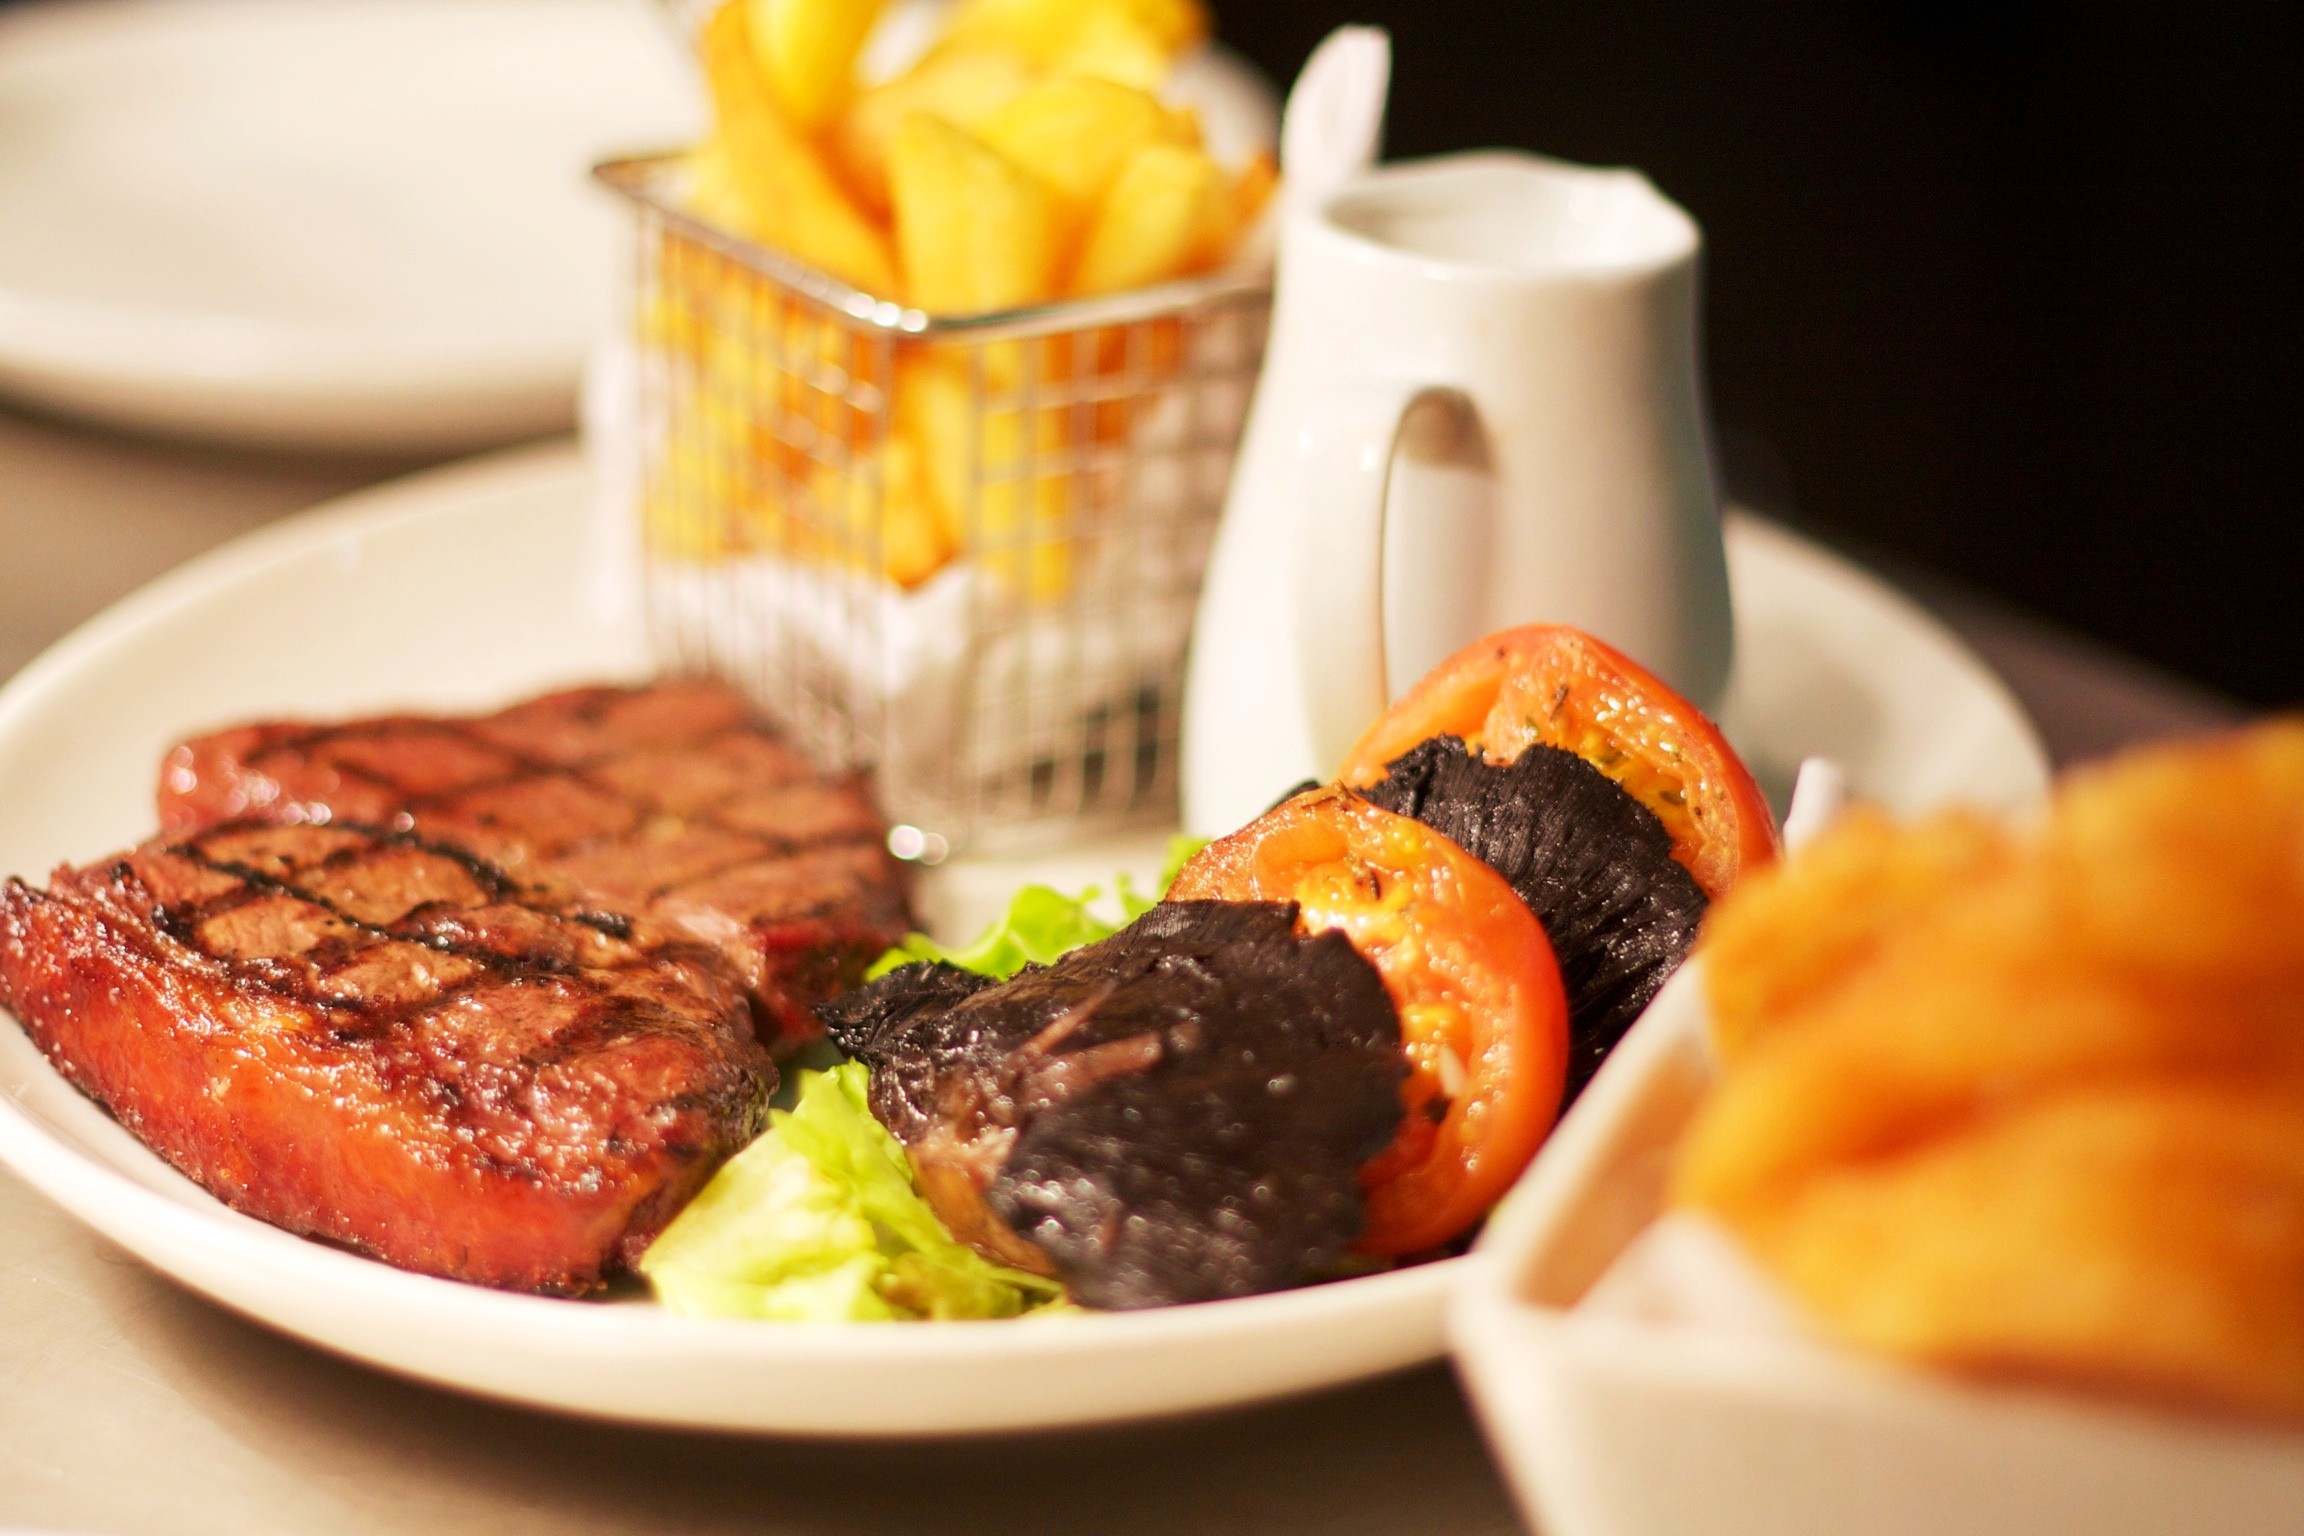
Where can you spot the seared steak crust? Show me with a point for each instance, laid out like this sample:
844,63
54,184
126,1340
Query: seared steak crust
368,1037
1178,1113
673,802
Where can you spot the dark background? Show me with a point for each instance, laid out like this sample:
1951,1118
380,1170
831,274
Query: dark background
2008,289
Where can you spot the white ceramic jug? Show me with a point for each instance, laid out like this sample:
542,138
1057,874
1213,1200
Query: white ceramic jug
1480,407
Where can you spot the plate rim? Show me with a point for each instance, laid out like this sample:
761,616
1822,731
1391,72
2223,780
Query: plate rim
1791,546
45,1158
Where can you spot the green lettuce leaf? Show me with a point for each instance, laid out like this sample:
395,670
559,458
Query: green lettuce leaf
1040,925
819,1221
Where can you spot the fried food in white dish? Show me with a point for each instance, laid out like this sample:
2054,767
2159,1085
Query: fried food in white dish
2031,1102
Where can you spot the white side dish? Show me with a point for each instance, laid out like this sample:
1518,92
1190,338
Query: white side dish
1636,1378
464,589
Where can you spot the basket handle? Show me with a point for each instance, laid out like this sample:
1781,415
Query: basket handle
1348,450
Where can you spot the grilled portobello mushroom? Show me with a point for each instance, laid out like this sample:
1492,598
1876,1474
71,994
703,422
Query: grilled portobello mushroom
1176,1114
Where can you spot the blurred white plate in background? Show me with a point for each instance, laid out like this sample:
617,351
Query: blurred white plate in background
340,223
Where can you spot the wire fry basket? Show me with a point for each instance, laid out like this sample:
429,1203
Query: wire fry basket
962,554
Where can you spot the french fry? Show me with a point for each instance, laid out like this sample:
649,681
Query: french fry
1178,24
916,543
2030,1100
806,50
1027,155
1048,31
1075,133
817,366
715,186
1800,930
1252,188
996,477
962,86
1235,213
2155,925
1156,221
1129,363
878,504
976,231
2137,1238
783,191
1111,44
707,495
2185,860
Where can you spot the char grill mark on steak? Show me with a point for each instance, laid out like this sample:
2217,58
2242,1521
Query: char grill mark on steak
1178,1113
1593,864
672,802
386,1042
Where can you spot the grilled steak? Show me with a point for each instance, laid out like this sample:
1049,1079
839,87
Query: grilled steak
672,802
1178,1113
367,1037
1593,864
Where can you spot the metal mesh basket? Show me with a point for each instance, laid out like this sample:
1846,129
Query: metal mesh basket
961,554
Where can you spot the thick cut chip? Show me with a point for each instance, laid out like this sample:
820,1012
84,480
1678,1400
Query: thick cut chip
1076,133
2154,926
1109,44
1052,33
915,544
977,232
1156,221
2188,860
963,86
715,186
705,501
1797,933
807,50
876,514
1178,24
1253,188
770,178
1037,29
997,478
1235,213
1985,1003
2032,1102
2136,1239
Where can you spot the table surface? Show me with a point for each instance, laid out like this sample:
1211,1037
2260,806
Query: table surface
129,1405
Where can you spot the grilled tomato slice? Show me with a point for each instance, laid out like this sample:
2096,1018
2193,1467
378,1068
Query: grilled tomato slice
1483,1016
1555,686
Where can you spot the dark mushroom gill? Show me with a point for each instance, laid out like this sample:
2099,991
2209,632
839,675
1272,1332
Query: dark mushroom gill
1593,864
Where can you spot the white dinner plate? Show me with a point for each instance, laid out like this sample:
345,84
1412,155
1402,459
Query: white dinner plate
343,223
464,589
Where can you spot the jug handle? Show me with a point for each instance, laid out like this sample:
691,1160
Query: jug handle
1348,453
